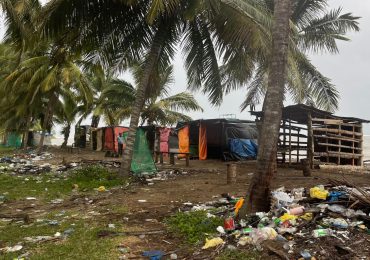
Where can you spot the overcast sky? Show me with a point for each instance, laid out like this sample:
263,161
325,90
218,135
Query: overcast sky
349,71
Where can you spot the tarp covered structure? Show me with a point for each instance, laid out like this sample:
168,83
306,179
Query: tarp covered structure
142,160
211,138
13,139
105,138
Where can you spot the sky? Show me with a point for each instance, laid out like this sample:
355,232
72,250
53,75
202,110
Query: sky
349,71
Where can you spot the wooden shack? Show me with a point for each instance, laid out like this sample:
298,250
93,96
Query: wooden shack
320,136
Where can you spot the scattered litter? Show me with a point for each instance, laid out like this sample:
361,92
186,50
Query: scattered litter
213,242
101,189
319,193
142,201
111,225
11,249
154,255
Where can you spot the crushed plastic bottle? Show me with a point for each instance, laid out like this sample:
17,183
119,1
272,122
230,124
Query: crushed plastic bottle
322,232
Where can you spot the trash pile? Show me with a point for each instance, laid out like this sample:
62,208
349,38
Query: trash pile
25,163
163,176
322,222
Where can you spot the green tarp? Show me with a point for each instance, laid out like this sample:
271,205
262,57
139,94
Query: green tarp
14,140
142,161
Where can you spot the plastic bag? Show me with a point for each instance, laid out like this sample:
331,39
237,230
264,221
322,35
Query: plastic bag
319,193
287,216
213,242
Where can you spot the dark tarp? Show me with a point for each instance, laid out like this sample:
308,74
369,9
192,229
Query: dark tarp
219,132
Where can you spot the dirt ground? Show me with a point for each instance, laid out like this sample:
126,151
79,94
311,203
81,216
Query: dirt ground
203,182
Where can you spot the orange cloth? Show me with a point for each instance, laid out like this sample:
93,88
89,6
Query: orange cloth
238,206
183,141
202,142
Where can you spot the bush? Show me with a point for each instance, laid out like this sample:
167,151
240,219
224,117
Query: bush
94,176
193,226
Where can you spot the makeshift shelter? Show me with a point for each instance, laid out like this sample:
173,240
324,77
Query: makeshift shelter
98,139
228,139
82,138
142,160
308,132
105,138
13,139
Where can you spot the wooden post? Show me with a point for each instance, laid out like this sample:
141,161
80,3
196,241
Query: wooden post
339,143
361,159
306,167
284,140
310,147
161,158
231,173
298,146
187,159
172,158
290,142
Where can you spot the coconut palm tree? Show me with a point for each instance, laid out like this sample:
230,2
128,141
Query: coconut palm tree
313,28
47,75
159,107
237,32
269,134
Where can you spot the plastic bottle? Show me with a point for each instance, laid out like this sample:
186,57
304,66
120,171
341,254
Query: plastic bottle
322,232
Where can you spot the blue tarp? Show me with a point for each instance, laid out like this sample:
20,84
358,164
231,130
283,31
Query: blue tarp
243,148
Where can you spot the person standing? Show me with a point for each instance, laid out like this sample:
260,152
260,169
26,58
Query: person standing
120,143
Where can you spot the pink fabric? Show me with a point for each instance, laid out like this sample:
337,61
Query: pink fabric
163,147
164,134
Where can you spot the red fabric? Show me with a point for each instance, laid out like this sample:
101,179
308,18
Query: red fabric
202,142
110,137
163,147
117,131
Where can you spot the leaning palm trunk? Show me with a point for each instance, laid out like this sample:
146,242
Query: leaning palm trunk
95,121
48,116
67,131
150,65
25,134
259,190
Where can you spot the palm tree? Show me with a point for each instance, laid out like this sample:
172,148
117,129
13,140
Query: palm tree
259,190
313,28
127,29
237,32
66,111
46,76
159,107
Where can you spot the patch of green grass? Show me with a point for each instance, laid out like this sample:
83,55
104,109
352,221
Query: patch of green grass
237,255
193,226
4,151
50,186
83,243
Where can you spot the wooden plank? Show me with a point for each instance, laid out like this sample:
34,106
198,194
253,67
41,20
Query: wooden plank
295,135
334,137
336,131
328,121
334,122
340,146
336,154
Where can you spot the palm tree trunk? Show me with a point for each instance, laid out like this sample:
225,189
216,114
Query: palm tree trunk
95,121
150,65
26,130
67,131
259,190
48,117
